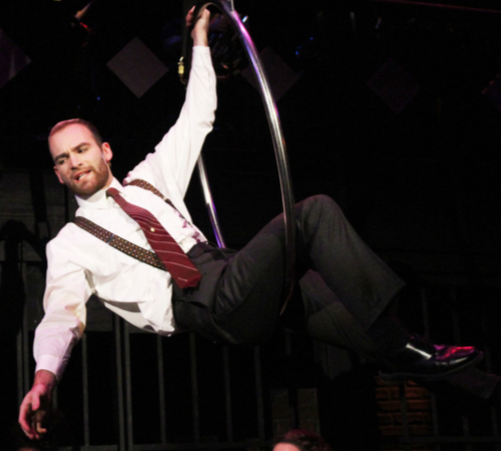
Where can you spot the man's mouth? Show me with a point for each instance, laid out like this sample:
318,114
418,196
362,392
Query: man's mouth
81,176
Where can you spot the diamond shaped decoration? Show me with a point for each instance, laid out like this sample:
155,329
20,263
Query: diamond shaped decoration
394,85
280,76
493,92
12,59
137,67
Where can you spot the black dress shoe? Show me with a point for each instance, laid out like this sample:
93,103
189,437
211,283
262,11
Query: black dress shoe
422,360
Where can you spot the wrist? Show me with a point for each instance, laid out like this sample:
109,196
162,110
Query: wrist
45,378
200,41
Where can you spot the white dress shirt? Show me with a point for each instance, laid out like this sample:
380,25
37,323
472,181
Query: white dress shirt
81,265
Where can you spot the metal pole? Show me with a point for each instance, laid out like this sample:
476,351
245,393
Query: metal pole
209,202
227,394
161,390
433,399
194,388
128,388
120,384
259,393
85,388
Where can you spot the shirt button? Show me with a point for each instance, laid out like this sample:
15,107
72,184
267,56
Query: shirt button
152,229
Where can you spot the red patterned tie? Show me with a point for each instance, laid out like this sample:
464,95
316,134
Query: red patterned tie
182,270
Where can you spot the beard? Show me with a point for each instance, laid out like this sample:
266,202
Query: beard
95,180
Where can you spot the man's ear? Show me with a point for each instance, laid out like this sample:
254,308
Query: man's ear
108,154
58,175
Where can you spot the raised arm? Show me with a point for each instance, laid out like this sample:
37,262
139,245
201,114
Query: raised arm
169,168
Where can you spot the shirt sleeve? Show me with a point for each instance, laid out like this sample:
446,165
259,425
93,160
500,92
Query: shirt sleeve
64,301
170,167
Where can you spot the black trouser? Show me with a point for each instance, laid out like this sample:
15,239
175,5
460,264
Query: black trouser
343,285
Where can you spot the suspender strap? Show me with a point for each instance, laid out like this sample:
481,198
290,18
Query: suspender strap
148,186
123,245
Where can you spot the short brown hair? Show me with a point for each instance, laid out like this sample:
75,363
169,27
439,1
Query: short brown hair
89,125
304,440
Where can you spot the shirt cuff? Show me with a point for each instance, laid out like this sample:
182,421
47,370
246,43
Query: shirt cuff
50,363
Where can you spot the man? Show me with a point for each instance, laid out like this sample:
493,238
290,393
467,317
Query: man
343,289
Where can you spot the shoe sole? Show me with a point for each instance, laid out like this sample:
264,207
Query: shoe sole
402,377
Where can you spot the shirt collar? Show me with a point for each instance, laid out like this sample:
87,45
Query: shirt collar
98,200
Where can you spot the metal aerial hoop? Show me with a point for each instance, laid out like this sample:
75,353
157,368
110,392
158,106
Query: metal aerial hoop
227,8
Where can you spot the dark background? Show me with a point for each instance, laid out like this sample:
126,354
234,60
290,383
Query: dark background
423,177
417,176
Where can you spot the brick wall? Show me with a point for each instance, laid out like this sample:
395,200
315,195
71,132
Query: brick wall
391,399
283,411
394,399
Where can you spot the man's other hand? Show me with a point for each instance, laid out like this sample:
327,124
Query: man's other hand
200,27
36,404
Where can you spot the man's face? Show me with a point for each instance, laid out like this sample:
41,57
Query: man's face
80,163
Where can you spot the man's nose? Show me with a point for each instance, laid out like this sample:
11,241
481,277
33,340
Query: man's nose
74,160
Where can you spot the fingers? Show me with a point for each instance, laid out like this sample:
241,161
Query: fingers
31,417
189,17
204,17
25,417
35,401
39,416
40,429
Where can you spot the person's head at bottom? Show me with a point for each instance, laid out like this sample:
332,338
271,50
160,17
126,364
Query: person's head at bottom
301,440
